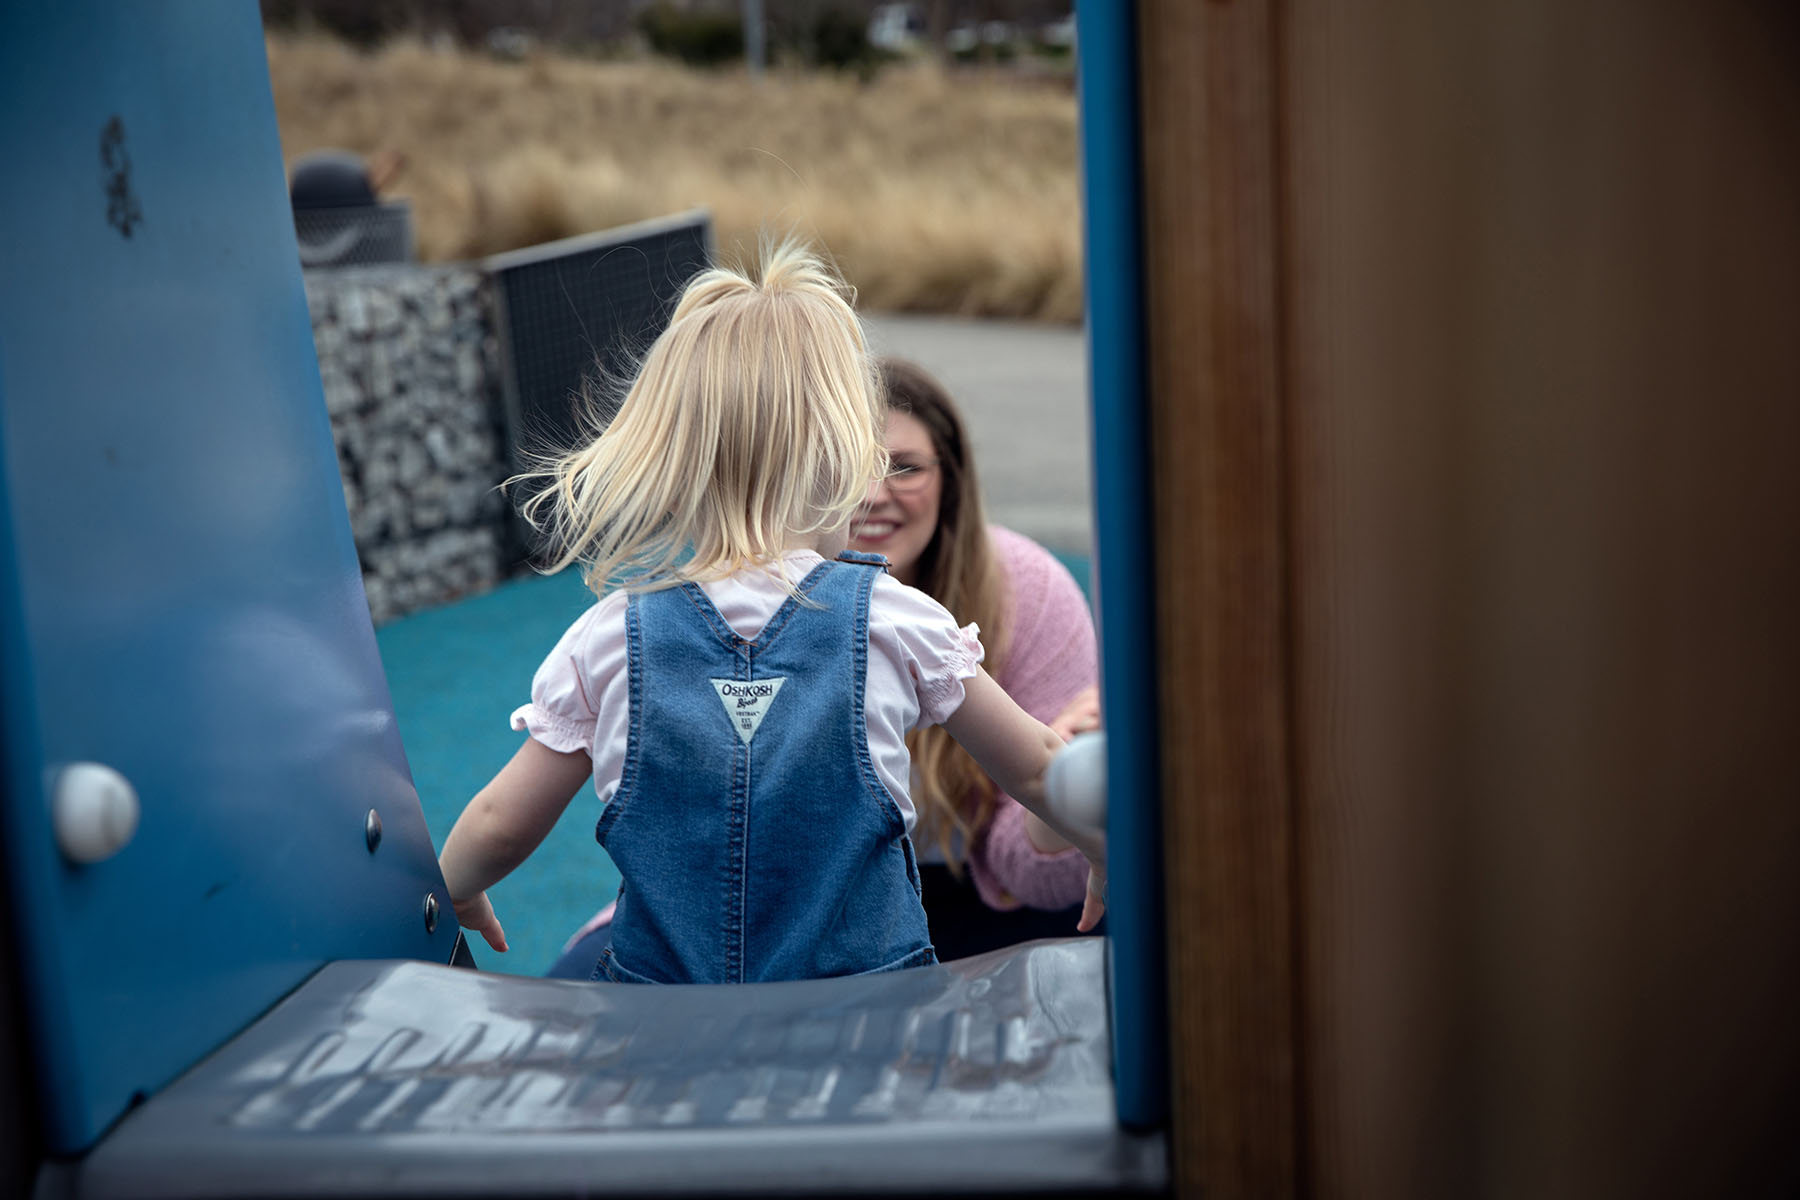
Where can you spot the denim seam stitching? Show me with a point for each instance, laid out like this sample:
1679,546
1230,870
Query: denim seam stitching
813,579
634,699
739,815
859,730
709,613
721,628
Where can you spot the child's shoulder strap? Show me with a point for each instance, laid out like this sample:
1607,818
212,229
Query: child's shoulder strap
863,560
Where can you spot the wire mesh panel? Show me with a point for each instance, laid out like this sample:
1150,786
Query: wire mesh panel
579,312
354,236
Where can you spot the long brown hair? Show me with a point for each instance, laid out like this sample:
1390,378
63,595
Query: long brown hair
957,569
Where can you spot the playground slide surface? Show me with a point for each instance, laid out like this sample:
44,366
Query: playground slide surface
400,1079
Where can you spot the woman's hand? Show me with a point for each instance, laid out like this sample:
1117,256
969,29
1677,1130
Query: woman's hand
477,914
1082,715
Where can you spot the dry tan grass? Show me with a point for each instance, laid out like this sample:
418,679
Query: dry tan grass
935,192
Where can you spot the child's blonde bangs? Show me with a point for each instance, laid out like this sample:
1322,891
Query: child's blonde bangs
753,426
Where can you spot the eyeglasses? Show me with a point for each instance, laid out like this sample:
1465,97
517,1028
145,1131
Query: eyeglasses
908,475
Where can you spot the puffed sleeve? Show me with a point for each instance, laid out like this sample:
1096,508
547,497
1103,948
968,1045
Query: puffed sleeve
922,636
562,714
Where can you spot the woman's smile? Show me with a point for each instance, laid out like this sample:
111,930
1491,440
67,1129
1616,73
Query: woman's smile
900,521
871,529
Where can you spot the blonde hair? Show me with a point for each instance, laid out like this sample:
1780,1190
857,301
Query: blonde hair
754,423
957,569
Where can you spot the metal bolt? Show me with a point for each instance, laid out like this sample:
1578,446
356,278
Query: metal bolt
430,912
372,830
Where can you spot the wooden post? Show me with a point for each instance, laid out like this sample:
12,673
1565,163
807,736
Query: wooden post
1209,104
1476,414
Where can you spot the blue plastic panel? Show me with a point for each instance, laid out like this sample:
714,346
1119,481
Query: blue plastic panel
1123,567
181,600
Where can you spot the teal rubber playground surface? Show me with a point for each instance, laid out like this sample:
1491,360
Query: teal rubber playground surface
456,674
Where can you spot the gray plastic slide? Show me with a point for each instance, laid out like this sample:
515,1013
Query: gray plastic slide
399,1078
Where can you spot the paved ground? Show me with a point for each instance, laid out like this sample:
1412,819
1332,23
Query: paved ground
1023,390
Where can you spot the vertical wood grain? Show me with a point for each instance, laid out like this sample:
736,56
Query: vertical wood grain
1476,410
1541,273
1218,459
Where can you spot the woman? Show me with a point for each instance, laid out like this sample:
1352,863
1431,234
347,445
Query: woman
993,874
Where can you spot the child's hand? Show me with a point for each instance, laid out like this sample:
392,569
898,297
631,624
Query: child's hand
477,914
1094,907
1075,788
1092,844
503,823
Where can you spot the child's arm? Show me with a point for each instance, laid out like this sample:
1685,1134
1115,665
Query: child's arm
1015,749
1081,715
503,824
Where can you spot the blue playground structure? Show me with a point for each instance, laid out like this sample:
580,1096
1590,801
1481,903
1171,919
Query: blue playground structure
231,950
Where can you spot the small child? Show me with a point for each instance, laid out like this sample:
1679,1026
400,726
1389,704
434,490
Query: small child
741,693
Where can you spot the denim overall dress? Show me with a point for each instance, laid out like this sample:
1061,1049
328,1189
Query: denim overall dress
754,837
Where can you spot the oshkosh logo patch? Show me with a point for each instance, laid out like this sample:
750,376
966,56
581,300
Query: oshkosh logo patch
746,704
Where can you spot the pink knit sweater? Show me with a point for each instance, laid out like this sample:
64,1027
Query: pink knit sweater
1050,657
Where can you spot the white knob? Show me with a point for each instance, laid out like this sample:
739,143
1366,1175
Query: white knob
1076,784
94,810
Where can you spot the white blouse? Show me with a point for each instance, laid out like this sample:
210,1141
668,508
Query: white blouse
918,660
